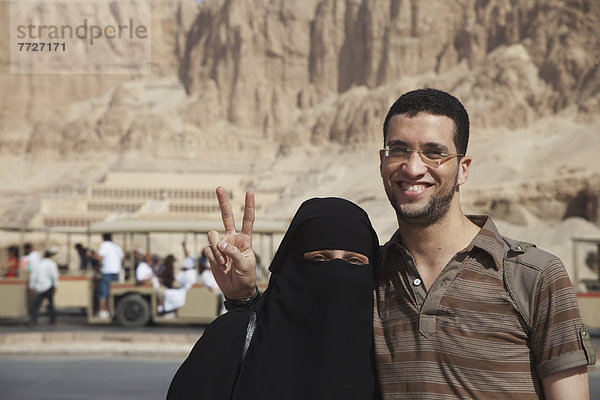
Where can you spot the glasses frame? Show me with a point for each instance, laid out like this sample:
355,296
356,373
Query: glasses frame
427,161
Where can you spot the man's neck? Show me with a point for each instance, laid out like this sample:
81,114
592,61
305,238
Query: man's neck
433,246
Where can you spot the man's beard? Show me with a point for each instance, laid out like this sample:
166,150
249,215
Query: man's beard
431,212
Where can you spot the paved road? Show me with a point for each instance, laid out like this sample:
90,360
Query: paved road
102,379
84,378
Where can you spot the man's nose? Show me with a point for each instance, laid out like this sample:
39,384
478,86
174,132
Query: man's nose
414,166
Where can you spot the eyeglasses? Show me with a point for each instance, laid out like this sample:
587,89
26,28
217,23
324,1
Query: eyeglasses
433,158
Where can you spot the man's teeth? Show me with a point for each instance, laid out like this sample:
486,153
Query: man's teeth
412,187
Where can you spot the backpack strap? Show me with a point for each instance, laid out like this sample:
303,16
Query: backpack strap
522,266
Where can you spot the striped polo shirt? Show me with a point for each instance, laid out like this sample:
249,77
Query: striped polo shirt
464,338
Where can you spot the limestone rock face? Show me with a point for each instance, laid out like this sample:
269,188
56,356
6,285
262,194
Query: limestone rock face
276,67
513,62
258,82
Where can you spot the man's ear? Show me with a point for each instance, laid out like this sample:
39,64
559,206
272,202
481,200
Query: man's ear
463,169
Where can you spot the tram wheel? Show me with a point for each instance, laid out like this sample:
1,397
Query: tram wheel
132,310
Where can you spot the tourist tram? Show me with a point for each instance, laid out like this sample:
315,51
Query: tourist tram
129,304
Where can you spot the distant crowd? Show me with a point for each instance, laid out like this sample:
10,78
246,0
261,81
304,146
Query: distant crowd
109,264
171,283
11,266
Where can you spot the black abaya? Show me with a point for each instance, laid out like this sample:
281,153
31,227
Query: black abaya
313,336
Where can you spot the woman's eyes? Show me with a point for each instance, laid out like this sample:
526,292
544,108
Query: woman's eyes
355,260
326,257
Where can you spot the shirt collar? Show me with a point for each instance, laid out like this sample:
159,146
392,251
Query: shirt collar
488,239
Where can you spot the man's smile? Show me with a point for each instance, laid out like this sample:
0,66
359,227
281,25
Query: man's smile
413,188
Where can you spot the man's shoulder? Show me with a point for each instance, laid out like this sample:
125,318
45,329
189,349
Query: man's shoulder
520,251
47,262
109,246
528,254
523,267
34,256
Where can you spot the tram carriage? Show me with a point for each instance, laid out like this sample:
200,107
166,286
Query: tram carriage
129,304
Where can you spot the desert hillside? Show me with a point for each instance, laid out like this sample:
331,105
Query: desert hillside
293,94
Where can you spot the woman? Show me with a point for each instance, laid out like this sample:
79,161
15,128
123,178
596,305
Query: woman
310,334
11,266
166,273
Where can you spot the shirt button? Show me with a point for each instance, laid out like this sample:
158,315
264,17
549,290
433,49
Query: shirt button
417,282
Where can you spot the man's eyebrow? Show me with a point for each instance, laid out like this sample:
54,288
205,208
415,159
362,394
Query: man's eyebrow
429,145
437,146
396,142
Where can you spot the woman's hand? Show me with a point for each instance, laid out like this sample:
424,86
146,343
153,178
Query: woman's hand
231,257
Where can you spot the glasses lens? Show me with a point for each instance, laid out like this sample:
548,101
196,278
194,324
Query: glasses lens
433,155
429,161
398,152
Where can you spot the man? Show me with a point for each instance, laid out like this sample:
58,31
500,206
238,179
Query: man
83,257
144,272
461,312
111,257
450,317
43,282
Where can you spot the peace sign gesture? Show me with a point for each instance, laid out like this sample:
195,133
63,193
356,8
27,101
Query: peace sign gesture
231,256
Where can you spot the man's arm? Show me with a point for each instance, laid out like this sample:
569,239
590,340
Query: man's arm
570,384
96,256
231,257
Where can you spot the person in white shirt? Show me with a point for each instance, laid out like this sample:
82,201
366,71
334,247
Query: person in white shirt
144,272
43,281
188,274
111,256
32,258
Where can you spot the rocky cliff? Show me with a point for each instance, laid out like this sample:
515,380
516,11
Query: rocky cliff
258,83
273,62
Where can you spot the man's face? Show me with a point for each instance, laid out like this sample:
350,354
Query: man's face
419,193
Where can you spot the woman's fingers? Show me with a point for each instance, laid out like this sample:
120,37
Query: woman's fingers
225,207
249,211
215,255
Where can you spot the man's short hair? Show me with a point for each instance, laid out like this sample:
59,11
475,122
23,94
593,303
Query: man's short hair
436,102
27,247
107,237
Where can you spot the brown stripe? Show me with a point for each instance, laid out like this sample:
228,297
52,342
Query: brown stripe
428,391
